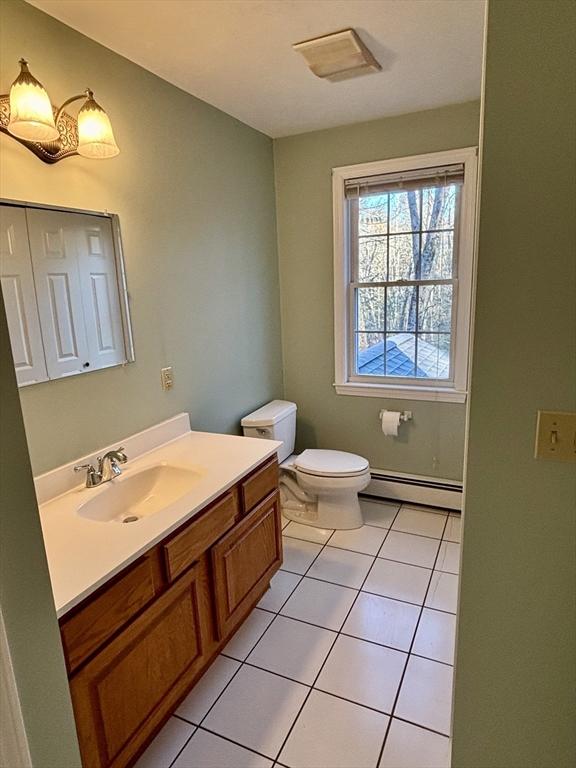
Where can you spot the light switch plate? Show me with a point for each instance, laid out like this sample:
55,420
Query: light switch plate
167,377
556,436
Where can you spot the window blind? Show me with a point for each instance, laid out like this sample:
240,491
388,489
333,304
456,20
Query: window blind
404,181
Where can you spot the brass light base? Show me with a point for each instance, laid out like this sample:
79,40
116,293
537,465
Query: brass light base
50,151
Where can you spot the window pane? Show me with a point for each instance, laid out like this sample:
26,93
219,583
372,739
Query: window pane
373,215
370,354
438,206
433,355
435,308
401,308
437,255
400,354
370,309
371,259
403,257
405,211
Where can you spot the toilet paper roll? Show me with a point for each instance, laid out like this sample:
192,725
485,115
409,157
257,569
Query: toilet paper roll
390,422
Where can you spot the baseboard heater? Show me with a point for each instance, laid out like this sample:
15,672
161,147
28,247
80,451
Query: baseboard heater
414,489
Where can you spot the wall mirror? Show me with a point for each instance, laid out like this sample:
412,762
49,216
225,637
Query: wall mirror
64,287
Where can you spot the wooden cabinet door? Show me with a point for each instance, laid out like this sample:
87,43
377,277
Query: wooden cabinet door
125,692
244,560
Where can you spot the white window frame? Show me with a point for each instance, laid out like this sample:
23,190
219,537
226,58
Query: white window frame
456,390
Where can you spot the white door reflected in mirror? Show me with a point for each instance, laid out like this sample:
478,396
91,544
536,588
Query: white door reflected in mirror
63,285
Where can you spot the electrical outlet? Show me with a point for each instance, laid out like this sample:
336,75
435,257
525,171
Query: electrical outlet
167,377
556,436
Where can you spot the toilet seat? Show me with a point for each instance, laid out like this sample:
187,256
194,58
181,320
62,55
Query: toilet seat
321,463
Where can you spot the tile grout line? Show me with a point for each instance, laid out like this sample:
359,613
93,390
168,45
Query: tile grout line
240,665
379,528
231,741
332,646
341,632
183,745
180,717
243,661
354,603
328,693
366,525
378,557
408,656
364,591
340,549
409,505
419,725
260,754
275,613
440,539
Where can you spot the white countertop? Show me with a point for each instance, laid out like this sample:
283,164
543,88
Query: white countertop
83,554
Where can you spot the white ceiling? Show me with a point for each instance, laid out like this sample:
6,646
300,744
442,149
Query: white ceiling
237,55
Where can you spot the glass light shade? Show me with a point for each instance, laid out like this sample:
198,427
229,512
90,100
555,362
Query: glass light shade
31,116
95,136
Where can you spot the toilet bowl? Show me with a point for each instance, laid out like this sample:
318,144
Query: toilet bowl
318,487
321,488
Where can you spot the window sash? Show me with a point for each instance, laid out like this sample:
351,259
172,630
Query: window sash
352,214
424,381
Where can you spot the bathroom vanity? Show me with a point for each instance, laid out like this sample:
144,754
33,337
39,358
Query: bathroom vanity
137,643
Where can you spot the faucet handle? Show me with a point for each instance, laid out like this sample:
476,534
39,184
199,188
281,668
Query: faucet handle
122,458
93,477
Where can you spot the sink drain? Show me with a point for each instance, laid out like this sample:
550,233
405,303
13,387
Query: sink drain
131,519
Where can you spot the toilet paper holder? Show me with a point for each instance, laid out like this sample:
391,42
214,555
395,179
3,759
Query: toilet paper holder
404,415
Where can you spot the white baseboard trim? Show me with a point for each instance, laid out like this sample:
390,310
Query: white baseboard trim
415,489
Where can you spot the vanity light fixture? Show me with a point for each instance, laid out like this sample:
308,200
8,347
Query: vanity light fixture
27,114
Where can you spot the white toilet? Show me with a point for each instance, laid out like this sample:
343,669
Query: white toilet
318,487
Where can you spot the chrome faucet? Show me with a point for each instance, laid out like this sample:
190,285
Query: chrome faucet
108,468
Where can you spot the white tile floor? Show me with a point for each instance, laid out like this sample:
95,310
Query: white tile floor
346,662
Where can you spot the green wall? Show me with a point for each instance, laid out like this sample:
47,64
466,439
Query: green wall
515,683
195,194
433,444
25,594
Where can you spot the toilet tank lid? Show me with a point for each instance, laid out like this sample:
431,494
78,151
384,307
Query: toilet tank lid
269,414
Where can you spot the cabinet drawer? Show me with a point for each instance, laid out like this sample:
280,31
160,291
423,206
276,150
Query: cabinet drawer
109,610
244,561
196,537
259,485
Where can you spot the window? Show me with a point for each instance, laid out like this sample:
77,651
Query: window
404,236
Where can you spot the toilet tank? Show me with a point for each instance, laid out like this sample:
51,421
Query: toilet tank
274,421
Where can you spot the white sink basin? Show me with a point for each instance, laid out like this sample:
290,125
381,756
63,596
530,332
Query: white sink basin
131,498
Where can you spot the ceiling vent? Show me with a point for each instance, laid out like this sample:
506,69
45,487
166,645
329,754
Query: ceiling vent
338,56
